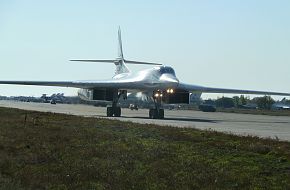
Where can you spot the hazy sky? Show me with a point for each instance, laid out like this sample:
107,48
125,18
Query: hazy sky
241,44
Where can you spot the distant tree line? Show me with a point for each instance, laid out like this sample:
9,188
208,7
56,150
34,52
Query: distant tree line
264,102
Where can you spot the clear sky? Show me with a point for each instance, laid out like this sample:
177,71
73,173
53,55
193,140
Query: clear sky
241,44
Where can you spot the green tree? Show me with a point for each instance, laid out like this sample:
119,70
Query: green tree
244,100
225,102
265,102
239,101
236,100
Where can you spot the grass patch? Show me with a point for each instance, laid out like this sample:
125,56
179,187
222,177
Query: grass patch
56,151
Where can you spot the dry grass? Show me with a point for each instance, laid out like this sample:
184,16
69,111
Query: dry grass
55,151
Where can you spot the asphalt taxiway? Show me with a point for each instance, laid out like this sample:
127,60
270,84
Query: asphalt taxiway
241,124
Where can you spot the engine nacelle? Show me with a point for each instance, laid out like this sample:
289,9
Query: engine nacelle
178,97
97,94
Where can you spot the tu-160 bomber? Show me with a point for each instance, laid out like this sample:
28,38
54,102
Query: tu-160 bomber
159,83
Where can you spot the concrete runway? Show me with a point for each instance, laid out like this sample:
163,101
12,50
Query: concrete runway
242,124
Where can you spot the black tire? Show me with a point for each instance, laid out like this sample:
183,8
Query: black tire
117,112
110,112
151,113
161,114
155,114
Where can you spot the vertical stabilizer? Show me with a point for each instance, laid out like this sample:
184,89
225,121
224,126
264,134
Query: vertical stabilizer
120,48
120,61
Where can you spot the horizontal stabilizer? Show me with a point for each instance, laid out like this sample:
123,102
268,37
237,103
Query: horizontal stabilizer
140,62
116,60
91,60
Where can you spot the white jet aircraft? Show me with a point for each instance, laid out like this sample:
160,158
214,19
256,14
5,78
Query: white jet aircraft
159,83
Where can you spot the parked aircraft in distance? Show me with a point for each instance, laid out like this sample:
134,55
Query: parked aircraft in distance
158,83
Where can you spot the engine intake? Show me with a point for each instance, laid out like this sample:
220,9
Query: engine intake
97,94
178,97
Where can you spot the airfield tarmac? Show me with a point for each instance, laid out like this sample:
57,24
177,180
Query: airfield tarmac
241,124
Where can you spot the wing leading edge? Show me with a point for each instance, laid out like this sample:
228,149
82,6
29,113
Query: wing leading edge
118,84
195,88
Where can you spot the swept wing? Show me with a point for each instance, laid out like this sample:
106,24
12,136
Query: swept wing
118,84
203,89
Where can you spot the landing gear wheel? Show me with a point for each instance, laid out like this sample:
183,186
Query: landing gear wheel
110,112
161,114
154,114
117,112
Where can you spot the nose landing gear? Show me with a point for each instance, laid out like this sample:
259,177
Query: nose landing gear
157,112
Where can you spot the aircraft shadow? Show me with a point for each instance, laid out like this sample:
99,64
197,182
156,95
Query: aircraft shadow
178,119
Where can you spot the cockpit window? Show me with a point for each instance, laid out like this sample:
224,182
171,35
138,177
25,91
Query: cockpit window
166,70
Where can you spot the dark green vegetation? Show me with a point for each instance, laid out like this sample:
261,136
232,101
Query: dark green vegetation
255,111
225,102
245,105
264,103
55,151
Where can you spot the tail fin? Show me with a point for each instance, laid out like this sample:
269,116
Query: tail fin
120,48
120,62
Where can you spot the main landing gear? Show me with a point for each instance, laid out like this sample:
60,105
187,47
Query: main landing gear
157,112
115,111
